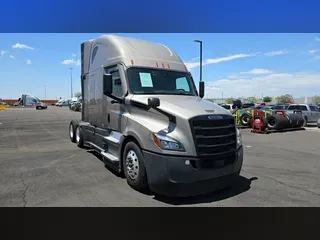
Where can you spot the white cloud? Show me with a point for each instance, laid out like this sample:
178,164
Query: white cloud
257,71
22,46
276,53
317,39
12,57
71,61
275,84
2,52
313,51
74,55
28,62
191,65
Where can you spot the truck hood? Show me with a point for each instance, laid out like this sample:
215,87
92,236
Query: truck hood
183,106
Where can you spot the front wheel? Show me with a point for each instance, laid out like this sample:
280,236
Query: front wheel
134,168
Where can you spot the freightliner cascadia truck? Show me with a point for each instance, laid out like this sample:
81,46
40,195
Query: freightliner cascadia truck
144,115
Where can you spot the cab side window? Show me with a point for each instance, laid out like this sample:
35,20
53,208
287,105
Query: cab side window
116,81
303,108
94,53
314,108
293,107
117,86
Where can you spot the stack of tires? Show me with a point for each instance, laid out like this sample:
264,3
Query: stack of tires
296,121
277,122
274,122
280,122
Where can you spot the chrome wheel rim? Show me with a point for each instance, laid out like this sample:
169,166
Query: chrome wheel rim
78,134
132,164
71,130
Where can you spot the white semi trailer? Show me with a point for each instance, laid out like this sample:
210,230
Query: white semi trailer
142,112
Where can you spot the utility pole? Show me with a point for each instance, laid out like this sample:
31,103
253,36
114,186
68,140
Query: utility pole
45,92
71,82
198,41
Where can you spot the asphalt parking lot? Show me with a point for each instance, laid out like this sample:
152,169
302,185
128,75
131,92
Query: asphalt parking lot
39,166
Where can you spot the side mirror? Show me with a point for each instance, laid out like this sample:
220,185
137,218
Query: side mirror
107,84
201,89
153,102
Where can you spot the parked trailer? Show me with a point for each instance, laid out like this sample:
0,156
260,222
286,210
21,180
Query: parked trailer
142,112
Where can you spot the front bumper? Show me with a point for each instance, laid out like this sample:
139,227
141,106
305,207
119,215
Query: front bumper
171,176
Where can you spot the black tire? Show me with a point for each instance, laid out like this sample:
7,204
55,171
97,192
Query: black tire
245,119
140,181
298,120
72,130
289,121
79,141
276,122
38,108
294,120
286,122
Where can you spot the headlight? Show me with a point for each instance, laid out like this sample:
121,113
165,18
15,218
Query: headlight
239,138
167,143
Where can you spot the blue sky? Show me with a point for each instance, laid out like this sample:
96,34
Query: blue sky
244,64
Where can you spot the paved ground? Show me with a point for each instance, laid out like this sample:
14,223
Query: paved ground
39,166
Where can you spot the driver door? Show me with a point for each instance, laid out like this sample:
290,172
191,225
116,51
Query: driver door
114,110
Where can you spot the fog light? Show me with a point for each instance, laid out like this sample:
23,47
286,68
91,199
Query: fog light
187,162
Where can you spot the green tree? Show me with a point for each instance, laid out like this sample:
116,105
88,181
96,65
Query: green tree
317,99
267,99
287,98
229,100
252,99
78,94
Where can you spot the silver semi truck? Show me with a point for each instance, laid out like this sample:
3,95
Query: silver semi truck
142,112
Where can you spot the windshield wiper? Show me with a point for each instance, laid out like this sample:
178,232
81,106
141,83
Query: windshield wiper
183,93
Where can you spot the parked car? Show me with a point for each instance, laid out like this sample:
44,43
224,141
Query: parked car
57,103
310,113
247,105
64,103
279,107
231,107
41,105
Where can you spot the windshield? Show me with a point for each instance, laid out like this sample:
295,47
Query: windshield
154,81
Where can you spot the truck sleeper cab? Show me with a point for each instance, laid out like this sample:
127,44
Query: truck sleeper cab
142,112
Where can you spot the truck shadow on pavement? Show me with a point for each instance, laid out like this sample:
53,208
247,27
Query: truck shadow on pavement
242,185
